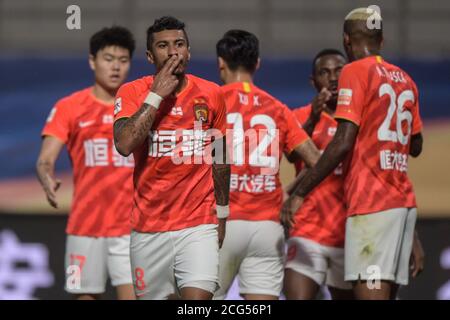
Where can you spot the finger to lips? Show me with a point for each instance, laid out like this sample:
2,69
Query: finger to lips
176,62
169,63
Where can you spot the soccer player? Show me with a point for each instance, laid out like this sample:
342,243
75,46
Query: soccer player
169,121
98,229
316,242
262,128
378,127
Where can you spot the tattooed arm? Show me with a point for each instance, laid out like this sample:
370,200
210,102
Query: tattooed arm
130,133
221,176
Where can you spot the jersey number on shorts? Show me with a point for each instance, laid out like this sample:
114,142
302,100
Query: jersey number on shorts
257,157
139,274
395,105
81,259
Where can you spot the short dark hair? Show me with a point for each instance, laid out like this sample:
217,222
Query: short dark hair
239,48
113,36
165,23
325,52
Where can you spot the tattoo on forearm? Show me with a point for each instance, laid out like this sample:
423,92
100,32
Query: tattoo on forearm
136,128
221,176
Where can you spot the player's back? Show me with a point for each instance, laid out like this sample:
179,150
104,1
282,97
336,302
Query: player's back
382,100
262,129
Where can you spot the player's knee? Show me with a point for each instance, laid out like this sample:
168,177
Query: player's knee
87,296
191,293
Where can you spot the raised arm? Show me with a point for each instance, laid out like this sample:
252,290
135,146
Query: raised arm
318,105
130,133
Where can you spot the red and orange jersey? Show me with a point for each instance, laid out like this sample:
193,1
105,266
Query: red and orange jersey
382,100
261,128
322,216
101,204
173,183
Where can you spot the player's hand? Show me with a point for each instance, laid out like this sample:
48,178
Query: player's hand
288,210
416,262
319,103
165,81
221,229
285,195
50,186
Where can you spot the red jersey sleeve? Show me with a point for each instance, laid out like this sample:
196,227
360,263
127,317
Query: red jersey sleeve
219,121
58,121
417,121
295,135
126,102
351,95
302,113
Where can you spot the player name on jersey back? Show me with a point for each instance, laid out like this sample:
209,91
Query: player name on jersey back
382,100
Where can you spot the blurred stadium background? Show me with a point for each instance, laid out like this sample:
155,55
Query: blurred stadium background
42,61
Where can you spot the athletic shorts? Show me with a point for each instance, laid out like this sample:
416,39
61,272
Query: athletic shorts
253,251
165,262
323,264
89,261
379,245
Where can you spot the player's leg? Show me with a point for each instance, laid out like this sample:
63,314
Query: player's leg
305,269
403,272
373,244
297,286
394,291
85,262
119,266
125,292
364,291
341,294
197,262
337,286
152,258
195,293
88,296
260,297
261,271
231,255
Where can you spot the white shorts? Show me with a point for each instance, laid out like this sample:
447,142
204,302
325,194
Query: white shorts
323,264
165,262
253,251
89,260
379,245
